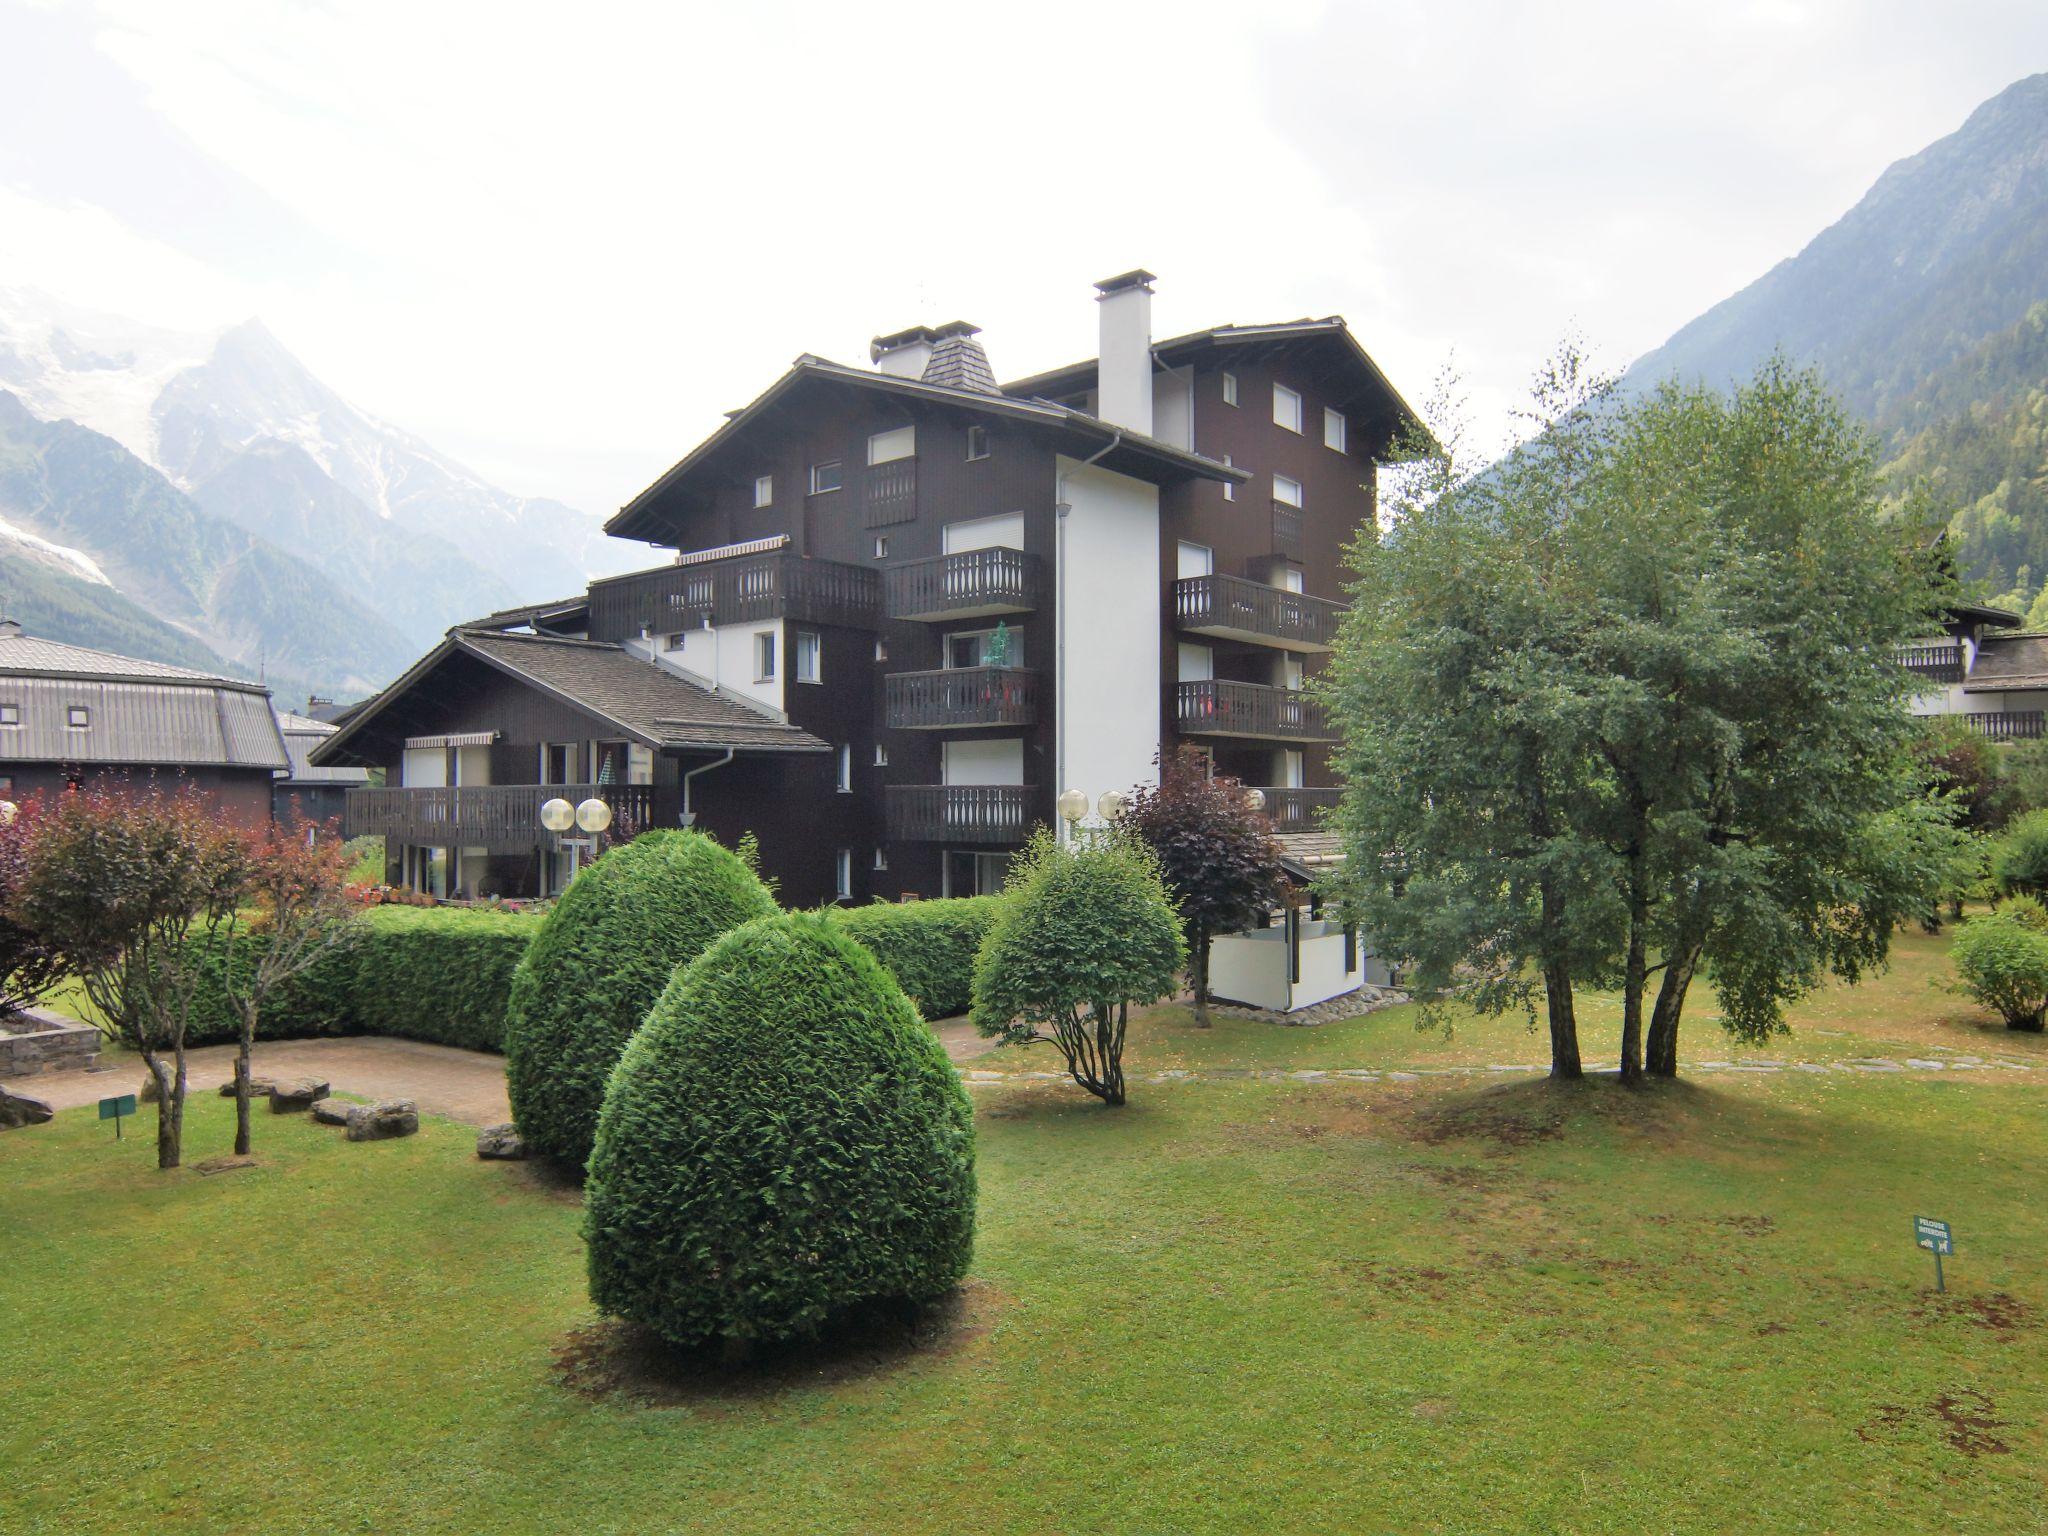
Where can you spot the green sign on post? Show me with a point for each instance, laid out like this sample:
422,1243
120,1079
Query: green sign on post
1936,1238
113,1109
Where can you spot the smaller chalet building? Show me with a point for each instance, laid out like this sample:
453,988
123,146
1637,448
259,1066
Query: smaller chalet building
70,716
1984,671
303,793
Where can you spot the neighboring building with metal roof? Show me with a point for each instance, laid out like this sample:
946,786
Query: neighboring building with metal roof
70,715
304,792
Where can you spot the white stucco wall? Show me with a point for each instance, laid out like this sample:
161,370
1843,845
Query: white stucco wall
1252,967
1108,603
1000,761
723,655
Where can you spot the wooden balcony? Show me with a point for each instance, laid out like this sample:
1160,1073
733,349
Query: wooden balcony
1234,608
734,591
1287,531
976,583
960,696
2004,725
1298,810
1222,708
504,818
889,493
1939,661
959,813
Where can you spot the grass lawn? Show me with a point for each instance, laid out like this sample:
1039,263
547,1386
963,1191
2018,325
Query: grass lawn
1233,1306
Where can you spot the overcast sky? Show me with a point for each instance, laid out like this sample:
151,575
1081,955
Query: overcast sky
558,240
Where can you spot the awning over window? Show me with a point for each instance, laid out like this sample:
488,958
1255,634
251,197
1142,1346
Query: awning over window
467,739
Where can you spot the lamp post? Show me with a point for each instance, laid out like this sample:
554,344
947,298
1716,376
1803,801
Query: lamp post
1072,806
1255,799
592,816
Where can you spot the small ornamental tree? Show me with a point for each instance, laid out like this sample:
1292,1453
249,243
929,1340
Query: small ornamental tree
298,907
2001,960
126,887
784,1139
600,960
1219,857
27,968
2019,859
1086,929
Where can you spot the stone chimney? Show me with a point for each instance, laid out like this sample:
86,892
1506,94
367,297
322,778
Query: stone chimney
904,354
1123,378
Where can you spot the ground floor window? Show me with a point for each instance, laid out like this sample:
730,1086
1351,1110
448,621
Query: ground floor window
975,874
842,874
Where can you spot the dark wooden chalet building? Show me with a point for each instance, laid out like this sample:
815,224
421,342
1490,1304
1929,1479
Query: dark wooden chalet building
303,793
70,716
907,606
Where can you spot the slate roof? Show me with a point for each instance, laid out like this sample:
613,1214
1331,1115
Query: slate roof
141,713
554,611
642,699
958,362
2009,663
1305,855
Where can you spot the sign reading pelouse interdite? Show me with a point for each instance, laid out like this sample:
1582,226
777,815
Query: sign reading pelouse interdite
113,1109
1936,1238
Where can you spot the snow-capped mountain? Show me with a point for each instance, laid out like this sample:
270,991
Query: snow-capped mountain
251,440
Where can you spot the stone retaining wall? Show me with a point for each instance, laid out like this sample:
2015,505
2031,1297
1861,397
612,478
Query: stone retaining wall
35,1041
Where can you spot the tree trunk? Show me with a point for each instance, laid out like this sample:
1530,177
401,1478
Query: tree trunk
243,1048
1201,969
1661,1052
1634,977
1564,1024
170,1106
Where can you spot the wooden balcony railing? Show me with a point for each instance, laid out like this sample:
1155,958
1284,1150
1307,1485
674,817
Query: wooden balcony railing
959,813
734,591
2005,725
971,584
1287,530
1240,609
1221,708
1298,810
501,817
889,494
960,696
1939,661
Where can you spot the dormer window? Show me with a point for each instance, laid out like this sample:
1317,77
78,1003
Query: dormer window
78,717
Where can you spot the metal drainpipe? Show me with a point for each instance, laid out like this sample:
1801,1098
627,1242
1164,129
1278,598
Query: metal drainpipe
1059,584
690,816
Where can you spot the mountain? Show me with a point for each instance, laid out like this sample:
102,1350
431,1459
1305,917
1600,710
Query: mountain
1926,307
83,507
285,525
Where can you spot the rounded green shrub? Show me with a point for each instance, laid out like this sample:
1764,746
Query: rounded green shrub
2019,859
2001,960
599,962
784,1139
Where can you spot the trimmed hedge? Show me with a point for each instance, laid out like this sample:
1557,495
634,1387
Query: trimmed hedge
439,974
783,1139
600,960
928,946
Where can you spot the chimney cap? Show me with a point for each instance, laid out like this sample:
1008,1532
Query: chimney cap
10,628
897,340
1137,277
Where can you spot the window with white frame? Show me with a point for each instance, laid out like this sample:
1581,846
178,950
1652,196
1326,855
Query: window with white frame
1333,430
826,477
881,755
1286,491
977,442
881,649
896,443
1230,389
881,546
842,874
764,656
764,490
845,785
1229,490
1286,408
881,859
809,657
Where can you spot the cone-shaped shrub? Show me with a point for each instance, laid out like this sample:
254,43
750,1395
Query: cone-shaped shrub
599,962
782,1140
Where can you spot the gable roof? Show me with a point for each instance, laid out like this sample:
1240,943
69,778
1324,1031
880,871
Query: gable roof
302,734
139,713
641,699
556,611
1131,453
1329,332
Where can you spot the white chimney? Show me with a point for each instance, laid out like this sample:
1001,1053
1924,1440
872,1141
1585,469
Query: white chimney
1124,367
905,353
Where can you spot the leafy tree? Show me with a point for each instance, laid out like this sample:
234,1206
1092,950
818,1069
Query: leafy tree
1218,855
27,967
123,885
298,908
1085,930
2019,859
1622,712
1962,763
